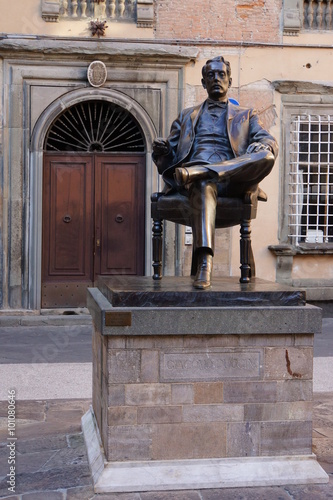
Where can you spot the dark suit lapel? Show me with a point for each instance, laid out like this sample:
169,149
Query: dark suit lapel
187,137
232,112
195,114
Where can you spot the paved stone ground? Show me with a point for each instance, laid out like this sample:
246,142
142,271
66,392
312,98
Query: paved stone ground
52,461
52,454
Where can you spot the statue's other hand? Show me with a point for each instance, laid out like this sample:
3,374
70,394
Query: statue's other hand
160,146
257,146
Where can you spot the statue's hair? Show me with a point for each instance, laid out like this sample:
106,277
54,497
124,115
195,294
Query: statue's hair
218,59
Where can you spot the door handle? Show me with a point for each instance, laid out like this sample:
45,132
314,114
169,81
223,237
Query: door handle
67,218
119,218
98,243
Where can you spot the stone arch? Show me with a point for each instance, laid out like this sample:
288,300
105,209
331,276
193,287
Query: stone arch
39,132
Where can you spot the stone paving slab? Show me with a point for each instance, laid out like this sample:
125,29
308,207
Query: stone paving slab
59,380
26,319
55,467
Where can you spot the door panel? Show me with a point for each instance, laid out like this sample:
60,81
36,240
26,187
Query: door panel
68,228
67,261
121,181
93,223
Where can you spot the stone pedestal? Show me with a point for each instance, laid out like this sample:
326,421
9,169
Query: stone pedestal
200,389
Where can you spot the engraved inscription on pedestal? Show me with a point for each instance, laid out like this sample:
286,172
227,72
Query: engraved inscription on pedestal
190,366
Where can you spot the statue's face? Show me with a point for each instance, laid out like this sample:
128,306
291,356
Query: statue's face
216,81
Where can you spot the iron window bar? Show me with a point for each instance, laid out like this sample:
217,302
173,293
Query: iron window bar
310,197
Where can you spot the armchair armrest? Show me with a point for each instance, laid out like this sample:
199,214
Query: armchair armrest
251,197
155,196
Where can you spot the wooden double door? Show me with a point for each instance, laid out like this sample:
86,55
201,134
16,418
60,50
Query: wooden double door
93,222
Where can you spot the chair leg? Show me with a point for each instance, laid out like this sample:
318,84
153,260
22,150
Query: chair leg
194,261
157,248
246,255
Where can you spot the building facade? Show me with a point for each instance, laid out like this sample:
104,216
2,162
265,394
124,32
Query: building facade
85,88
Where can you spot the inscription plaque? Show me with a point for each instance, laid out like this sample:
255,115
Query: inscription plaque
118,318
192,366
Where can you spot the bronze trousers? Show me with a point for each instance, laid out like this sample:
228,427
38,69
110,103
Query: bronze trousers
233,178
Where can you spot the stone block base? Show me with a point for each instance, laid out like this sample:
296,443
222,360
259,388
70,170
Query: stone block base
117,477
224,387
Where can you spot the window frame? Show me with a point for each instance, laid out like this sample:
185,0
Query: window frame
310,181
298,105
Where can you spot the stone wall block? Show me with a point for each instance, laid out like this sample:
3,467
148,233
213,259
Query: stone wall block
96,401
159,414
304,340
154,342
243,439
182,393
266,340
129,442
104,356
213,413
204,341
104,388
16,109
122,415
294,390
248,392
193,440
133,342
208,393
116,395
104,426
301,410
288,363
96,350
149,370
124,365
148,394
167,341
116,342
286,438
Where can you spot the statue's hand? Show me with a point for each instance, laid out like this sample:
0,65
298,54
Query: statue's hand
160,146
257,146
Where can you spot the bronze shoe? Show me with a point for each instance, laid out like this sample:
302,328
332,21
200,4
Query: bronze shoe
204,273
181,176
184,175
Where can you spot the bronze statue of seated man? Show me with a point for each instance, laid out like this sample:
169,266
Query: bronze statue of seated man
215,149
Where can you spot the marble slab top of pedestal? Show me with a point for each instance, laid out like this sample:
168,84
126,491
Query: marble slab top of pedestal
174,291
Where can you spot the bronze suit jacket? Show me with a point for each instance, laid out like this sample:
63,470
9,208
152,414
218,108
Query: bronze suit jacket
243,126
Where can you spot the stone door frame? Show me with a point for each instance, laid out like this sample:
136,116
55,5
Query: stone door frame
36,174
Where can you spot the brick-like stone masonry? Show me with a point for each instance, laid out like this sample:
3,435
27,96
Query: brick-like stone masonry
209,396
246,20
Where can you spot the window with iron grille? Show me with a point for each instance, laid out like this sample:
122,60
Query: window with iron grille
310,184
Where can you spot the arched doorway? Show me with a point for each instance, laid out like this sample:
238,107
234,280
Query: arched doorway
93,200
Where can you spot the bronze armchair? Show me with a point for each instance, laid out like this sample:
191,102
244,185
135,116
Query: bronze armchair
229,212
